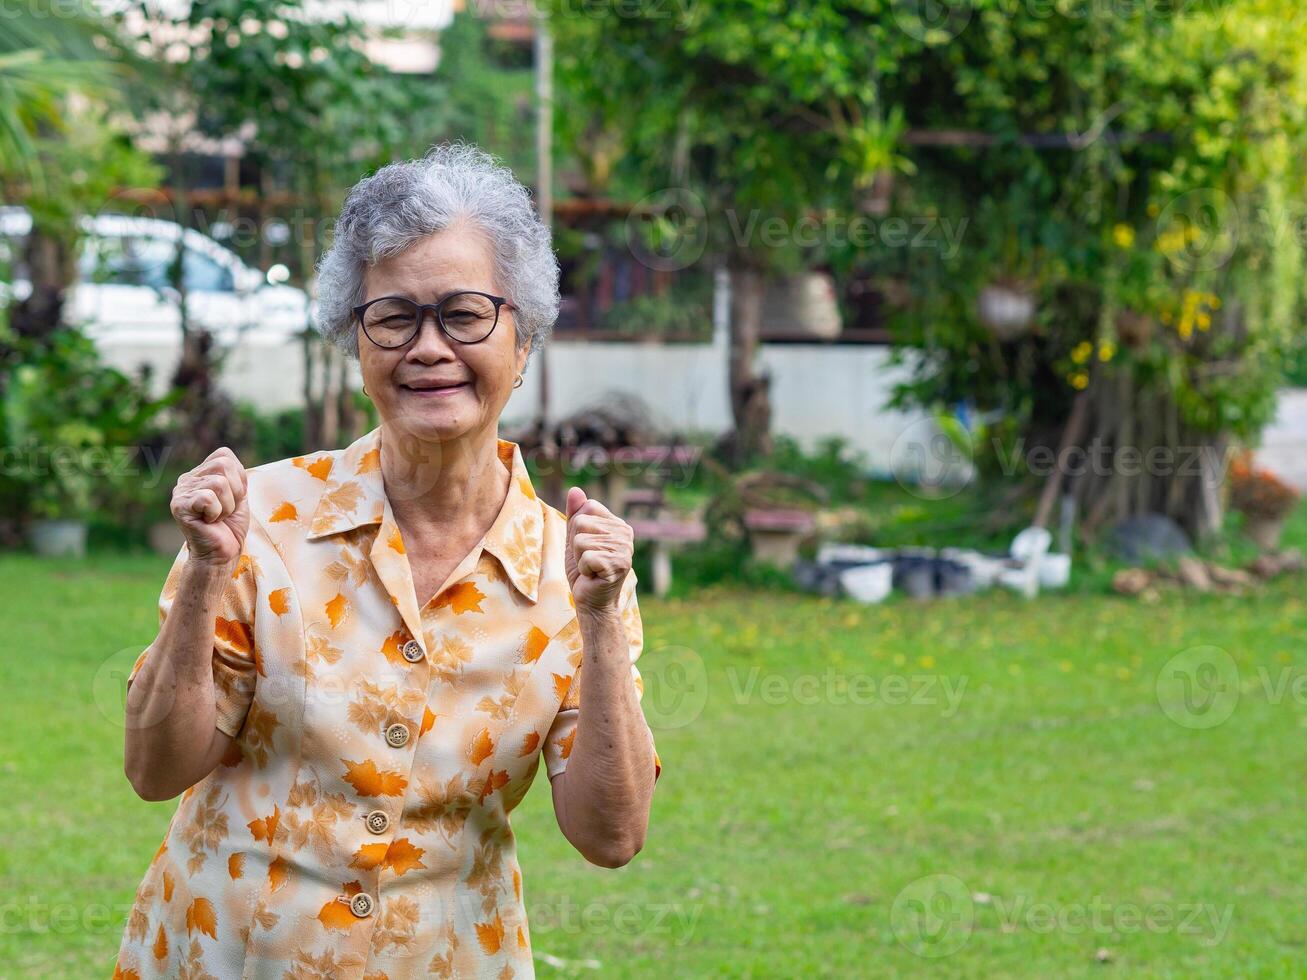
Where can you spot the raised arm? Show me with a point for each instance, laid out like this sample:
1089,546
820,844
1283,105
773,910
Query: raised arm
173,738
602,798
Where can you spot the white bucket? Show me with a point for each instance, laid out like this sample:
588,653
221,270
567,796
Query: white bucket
58,539
1054,570
868,583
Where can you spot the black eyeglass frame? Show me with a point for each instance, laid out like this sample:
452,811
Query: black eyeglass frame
499,301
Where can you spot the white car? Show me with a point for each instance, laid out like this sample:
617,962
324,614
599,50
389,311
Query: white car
123,293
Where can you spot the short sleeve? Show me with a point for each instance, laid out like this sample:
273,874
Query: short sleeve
234,655
562,733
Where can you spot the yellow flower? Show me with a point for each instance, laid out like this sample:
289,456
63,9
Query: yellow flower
1082,351
1123,235
1204,321
1079,381
1170,242
1106,351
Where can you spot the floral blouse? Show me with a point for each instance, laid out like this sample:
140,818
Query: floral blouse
358,829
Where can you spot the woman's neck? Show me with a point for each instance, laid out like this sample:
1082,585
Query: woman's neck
455,486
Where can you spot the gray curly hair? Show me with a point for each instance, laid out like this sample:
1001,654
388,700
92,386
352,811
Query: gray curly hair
402,203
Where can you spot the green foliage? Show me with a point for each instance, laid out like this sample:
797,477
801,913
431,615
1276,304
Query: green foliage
73,186
310,104
269,436
758,110
73,428
486,102
47,52
1171,254
678,314
1161,231
830,465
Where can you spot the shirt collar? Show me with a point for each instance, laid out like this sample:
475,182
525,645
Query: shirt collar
354,495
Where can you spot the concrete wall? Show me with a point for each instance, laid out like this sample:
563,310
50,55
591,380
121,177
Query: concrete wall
1284,443
817,390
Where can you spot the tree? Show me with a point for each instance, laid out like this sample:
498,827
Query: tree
310,107
484,101
1139,181
1129,173
747,120
57,95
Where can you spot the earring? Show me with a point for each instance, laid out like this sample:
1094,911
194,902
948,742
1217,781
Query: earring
518,382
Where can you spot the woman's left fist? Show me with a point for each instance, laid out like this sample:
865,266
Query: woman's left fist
600,546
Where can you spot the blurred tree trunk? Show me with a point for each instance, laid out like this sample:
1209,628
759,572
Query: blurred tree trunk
52,267
749,389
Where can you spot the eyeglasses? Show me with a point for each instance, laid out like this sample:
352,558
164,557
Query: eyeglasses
468,317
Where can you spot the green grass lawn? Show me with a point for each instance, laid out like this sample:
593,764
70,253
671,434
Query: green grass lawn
809,804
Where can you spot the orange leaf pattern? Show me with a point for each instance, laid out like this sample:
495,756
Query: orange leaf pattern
200,917
329,721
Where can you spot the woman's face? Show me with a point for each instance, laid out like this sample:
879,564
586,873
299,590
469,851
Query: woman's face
400,381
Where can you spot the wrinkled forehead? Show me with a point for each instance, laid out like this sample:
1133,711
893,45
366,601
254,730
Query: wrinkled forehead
459,257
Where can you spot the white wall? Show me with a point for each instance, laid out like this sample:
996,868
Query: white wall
1284,442
817,390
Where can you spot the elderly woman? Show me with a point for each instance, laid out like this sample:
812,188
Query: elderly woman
364,653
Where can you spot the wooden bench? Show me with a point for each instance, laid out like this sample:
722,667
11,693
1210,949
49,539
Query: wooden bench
614,464
665,534
775,534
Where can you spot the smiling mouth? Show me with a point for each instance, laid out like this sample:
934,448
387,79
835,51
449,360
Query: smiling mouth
436,390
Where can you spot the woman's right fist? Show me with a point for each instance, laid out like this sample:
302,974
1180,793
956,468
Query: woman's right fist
209,505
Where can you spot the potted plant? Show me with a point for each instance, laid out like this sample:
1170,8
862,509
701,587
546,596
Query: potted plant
872,148
1007,300
61,494
1006,307
71,423
1265,501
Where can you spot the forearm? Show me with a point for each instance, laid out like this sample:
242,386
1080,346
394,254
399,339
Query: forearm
172,741
602,798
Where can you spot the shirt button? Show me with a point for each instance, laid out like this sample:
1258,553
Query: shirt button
361,905
397,735
412,651
378,821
